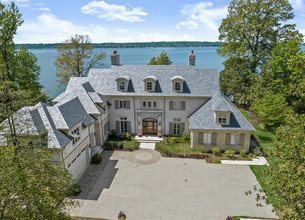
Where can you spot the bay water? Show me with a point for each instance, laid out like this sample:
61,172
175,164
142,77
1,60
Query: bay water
206,58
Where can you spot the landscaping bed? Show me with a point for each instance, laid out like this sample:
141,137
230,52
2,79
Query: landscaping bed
125,143
180,147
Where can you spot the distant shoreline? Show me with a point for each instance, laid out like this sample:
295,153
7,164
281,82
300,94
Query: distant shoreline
164,44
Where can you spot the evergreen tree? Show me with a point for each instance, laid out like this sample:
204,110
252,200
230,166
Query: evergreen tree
162,59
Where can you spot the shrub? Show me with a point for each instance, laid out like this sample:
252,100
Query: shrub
171,140
113,135
74,190
216,151
230,154
185,137
127,137
229,218
96,159
243,153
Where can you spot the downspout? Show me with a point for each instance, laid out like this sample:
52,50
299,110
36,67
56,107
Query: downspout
164,107
134,115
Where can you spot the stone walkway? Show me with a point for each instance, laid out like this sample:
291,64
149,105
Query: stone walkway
147,146
141,157
255,161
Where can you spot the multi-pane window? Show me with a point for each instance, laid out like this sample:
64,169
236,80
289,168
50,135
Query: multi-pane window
177,86
149,104
207,138
123,104
235,138
177,126
177,105
122,86
123,125
149,86
222,119
76,135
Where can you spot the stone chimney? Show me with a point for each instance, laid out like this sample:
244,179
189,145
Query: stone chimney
192,58
115,58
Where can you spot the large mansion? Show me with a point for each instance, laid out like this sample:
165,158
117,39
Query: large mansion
143,100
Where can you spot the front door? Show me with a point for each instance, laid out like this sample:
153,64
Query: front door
150,126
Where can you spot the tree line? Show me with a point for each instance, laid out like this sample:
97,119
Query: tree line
129,45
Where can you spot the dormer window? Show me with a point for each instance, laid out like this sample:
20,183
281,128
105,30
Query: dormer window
177,83
222,119
122,86
177,87
122,83
150,83
149,86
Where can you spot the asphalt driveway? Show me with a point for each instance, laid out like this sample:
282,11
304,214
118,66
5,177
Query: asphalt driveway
147,186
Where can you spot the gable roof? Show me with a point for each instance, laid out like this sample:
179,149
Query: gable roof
204,117
198,83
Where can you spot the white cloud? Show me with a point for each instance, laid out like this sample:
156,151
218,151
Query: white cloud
20,3
187,24
47,28
203,13
297,4
102,9
44,9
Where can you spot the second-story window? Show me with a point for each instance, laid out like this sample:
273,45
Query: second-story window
76,135
149,104
123,104
122,86
149,86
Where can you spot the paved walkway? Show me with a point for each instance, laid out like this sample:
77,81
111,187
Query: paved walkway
147,186
147,146
255,161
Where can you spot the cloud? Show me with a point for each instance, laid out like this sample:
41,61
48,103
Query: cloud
203,13
102,9
297,4
44,9
47,28
20,3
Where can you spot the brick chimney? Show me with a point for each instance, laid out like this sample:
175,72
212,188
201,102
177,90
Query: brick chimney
115,58
192,58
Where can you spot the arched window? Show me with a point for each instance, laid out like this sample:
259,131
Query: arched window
177,86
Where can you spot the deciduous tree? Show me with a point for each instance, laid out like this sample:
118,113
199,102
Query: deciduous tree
76,57
250,31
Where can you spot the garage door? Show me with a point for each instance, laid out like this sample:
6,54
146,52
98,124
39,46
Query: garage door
79,165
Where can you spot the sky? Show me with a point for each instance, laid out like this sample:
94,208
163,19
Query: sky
53,21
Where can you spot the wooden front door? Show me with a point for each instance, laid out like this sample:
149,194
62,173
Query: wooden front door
150,126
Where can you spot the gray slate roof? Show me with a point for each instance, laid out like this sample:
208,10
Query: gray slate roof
43,119
204,117
202,83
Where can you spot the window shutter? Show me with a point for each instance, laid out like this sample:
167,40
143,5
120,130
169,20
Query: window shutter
182,105
129,127
171,128
200,138
171,105
228,139
214,139
182,127
116,104
128,104
241,139
117,127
